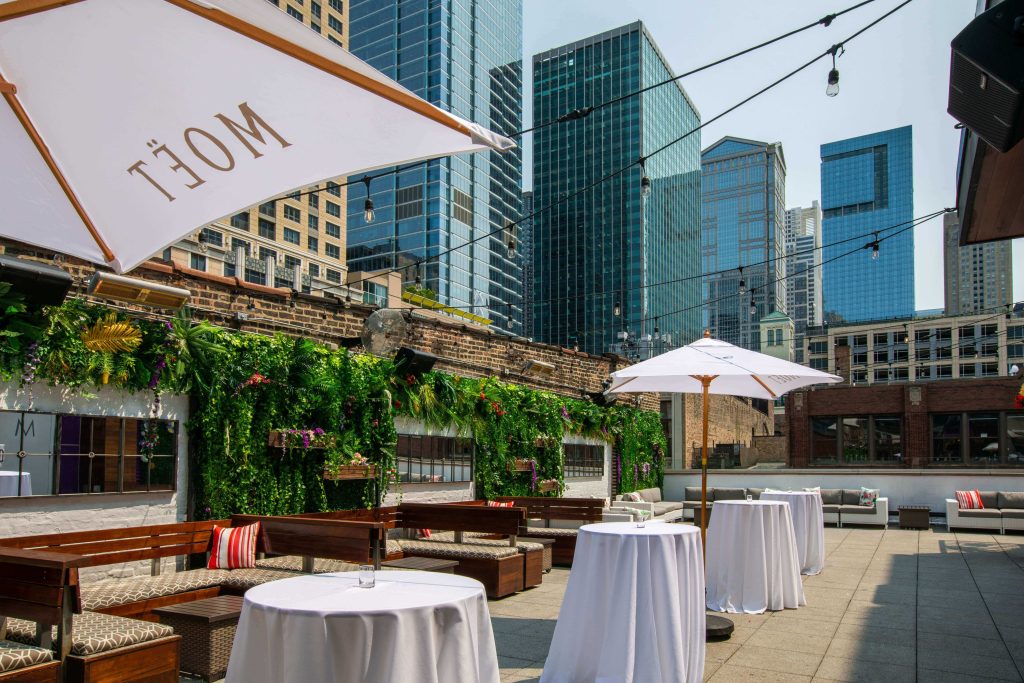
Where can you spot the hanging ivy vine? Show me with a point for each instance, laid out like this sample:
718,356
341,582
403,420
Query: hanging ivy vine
243,386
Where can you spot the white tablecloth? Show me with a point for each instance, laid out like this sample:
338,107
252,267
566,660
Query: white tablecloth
633,608
808,527
752,561
412,626
9,484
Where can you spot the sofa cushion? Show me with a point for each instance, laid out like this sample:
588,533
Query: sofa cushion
831,509
1012,513
632,497
19,656
755,493
968,500
989,499
730,494
554,531
1010,499
294,563
832,496
457,550
114,592
666,507
868,497
851,497
651,495
986,513
244,579
856,510
474,538
93,632
693,493
234,547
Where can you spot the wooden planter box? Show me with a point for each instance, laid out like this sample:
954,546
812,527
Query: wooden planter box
519,465
547,486
276,439
346,472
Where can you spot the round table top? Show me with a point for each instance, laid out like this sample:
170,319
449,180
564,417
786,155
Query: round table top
8,473
339,593
631,529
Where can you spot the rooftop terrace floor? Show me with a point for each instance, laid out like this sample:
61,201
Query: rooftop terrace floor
893,605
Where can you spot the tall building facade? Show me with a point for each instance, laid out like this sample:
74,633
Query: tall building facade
612,267
524,245
464,56
867,185
803,273
743,227
979,277
296,242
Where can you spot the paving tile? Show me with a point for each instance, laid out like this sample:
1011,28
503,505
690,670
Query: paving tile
731,673
962,661
863,671
869,632
791,642
710,668
772,659
888,652
720,651
935,676
807,626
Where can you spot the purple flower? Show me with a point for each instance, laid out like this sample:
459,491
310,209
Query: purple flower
565,413
318,431
305,439
169,326
533,475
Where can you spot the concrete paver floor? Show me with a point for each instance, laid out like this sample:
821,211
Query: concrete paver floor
891,605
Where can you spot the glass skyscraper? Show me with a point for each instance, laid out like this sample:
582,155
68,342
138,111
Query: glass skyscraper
743,225
464,56
607,261
867,184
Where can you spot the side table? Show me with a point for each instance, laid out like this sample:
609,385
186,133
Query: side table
914,516
207,630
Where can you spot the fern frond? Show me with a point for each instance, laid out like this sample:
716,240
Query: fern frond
109,335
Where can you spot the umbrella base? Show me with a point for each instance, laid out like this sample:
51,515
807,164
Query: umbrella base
716,627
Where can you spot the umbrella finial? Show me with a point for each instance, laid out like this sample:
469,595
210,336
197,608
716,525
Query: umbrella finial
707,334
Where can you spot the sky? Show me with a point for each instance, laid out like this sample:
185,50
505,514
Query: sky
895,74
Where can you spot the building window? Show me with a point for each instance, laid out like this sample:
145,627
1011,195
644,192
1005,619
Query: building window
1015,350
292,236
269,209
292,262
857,440
881,375
197,262
292,214
943,353
943,371
409,202
881,339
860,340
859,358
76,454
881,356
314,9
818,347
332,250
943,333
333,229
462,209
336,5
333,275
256,277
208,236
923,354
266,253
1015,332
900,355
312,244
333,209
583,460
434,459
314,200
267,229
294,13
335,23
333,187
312,222
314,270
819,364
923,372
922,336
240,221
859,376
967,369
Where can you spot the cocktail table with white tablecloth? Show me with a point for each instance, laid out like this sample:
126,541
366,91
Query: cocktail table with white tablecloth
633,608
411,626
752,563
9,483
808,526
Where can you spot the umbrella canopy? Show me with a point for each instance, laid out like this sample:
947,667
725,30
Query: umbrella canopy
129,124
736,372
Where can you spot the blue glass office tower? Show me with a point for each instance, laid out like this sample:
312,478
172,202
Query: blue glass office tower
608,248
867,184
743,216
465,56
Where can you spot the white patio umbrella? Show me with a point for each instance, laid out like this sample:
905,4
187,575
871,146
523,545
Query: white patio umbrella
710,366
128,124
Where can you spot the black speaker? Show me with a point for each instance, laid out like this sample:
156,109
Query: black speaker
413,362
986,75
40,283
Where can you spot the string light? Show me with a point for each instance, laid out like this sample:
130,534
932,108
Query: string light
617,309
368,215
743,283
832,89
645,182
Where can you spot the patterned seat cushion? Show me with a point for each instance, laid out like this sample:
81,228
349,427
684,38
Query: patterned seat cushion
457,550
92,632
544,532
19,656
114,592
474,538
244,579
294,563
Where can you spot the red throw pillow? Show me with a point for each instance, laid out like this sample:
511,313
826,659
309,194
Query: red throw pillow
496,504
969,500
424,533
234,547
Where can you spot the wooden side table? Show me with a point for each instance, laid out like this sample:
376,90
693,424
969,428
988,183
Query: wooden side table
914,516
425,564
207,630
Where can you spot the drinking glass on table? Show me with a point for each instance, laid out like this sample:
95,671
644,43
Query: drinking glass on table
366,576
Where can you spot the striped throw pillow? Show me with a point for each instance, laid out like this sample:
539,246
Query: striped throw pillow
497,504
234,547
969,500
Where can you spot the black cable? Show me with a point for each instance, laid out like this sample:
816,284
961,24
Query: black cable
640,161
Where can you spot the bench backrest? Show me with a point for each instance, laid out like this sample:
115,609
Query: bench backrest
388,516
580,509
504,521
125,544
334,539
40,586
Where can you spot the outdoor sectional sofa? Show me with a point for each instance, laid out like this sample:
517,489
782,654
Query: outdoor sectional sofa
1004,510
653,505
839,506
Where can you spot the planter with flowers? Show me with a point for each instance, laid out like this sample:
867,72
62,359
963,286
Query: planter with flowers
547,485
355,466
300,438
523,465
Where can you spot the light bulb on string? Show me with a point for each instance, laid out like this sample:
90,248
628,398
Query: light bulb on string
743,283
368,215
645,182
832,89
617,310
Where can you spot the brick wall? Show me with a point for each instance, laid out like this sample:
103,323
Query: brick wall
913,402
731,419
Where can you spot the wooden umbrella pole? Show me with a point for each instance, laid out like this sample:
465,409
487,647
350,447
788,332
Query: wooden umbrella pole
705,381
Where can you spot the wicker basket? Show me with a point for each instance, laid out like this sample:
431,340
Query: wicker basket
205,648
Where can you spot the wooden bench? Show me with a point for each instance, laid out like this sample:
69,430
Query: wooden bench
570,511
423,564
